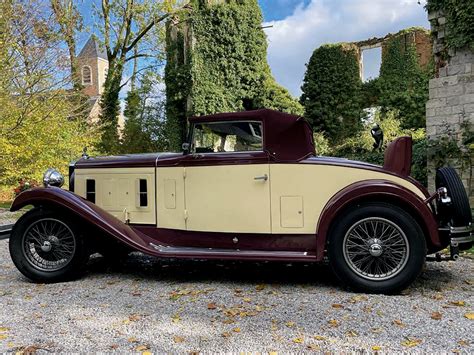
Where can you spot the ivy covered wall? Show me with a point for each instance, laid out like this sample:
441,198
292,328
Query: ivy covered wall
332,91
217,62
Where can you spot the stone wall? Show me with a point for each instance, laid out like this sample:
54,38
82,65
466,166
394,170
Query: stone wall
451,102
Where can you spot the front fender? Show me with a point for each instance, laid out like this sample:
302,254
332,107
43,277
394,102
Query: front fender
86,210
375,190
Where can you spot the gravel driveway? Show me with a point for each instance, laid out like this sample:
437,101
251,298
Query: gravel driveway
175,306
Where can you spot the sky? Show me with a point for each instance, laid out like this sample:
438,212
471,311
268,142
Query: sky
301,26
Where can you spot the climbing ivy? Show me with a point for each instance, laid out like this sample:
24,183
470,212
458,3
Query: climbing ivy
459,21
217,63
403,83
332,91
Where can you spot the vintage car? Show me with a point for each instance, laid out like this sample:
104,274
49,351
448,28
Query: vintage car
248,186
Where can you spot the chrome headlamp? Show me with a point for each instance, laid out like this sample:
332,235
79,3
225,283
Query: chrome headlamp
53,177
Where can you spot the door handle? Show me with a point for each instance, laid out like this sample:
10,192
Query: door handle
264,177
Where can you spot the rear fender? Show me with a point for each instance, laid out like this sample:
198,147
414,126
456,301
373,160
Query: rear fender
85,210
375,190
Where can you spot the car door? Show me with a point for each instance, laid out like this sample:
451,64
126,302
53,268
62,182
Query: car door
227,187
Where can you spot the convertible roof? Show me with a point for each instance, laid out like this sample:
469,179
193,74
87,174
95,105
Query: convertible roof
285,137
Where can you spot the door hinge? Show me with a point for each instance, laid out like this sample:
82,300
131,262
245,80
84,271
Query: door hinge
185,215
184,173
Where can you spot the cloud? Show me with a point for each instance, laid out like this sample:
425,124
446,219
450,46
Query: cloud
293,39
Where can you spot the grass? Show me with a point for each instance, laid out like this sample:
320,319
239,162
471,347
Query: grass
5,204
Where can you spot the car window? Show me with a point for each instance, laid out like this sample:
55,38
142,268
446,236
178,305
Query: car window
219,137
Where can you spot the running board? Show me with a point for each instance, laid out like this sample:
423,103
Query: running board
231,253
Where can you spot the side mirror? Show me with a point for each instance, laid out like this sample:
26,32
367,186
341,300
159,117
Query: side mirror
185,147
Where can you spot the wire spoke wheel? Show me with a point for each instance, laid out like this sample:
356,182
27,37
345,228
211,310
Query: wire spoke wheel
375,248
48,244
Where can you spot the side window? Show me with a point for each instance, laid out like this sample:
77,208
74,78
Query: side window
86,75
227,137
90,190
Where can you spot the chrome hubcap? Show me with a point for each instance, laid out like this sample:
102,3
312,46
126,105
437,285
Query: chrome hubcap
375,248
49,244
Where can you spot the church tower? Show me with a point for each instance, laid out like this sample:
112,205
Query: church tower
92,65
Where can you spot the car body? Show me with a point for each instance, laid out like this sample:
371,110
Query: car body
248,186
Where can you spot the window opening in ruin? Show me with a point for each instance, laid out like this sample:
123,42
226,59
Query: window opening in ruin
371,59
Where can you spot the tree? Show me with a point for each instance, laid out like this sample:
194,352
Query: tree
69,21
37,129
125,24
332,91
144,112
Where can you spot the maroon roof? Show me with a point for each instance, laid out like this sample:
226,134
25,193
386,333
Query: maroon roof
285,137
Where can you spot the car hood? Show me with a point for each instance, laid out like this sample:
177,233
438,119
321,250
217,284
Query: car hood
125,161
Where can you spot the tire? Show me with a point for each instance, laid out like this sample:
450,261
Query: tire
47,246
357,258
458,212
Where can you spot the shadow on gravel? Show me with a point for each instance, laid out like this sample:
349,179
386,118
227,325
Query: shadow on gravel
220,271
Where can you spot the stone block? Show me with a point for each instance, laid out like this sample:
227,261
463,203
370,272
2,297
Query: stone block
442,72
469,88
441,34
430,130
468,68
465,78
431,112
455,69
449,80
443,111
434,103
453,119
441,20
466,99
452,101
468,108
448,91
434,83
457,109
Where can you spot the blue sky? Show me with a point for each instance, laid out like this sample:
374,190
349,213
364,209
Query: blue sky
300,26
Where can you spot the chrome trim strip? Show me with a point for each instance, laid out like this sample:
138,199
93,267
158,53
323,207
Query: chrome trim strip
462,240
211,251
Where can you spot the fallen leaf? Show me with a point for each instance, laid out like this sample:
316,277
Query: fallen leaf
247,299
319,337
176,318
258,308
272,353
411,342
4,329
142,348
298,340
351,333
358,298
136,293
376,348
147,353
211,306
3,336
337,305
469,316
458,303
333,323
225,334
236,330
437,297
469,282
178,339
463,343
290,324
113,346
132,340
436,316
228,321
399,323
126,321
313,347
134,318
260,287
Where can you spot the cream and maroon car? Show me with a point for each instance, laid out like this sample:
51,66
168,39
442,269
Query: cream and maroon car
248,186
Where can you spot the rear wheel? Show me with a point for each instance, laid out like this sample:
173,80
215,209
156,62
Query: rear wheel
47,246
377,248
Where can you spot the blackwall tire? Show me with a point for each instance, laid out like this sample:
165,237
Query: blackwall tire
47,246
458,213
377,248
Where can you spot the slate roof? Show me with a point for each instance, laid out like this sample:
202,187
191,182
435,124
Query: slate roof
93,50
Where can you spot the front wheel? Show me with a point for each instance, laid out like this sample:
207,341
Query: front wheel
377,248
47,246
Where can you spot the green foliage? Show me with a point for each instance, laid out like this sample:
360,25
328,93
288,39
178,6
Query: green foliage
459,21
359,147
144,125
217,63
332,91
403,83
